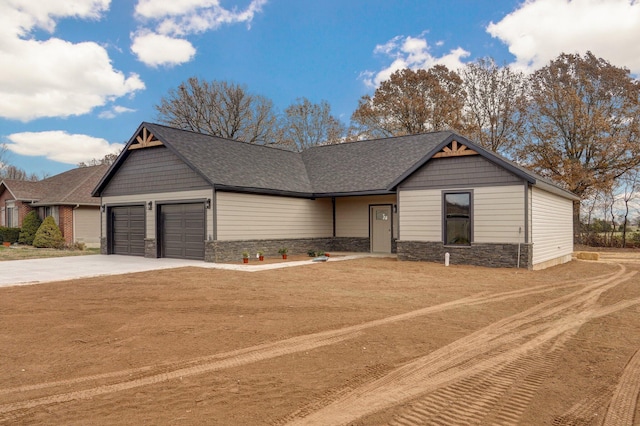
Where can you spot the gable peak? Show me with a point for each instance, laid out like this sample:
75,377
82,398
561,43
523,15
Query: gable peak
145,139
455,149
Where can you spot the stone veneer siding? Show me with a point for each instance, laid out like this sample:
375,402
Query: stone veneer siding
103,246
494,255
150,248
226,251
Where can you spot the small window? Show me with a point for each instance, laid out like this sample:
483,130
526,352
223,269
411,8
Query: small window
457,218
380,215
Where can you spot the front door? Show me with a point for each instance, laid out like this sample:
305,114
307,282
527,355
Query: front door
381,225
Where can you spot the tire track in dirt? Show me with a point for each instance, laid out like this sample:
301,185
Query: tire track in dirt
623,403
236,358
248,355
512,338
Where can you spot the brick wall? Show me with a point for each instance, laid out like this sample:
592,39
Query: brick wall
65,223
23,210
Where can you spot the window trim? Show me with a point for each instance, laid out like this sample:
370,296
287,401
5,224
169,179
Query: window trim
444,216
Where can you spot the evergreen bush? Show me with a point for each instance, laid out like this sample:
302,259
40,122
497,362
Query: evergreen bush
30,225
9,234
48,235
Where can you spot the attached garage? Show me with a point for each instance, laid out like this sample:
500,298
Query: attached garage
127,230
182,230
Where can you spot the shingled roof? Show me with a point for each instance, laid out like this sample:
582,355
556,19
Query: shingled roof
353,168
69,188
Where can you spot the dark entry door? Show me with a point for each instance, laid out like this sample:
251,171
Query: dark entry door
182,230
127,230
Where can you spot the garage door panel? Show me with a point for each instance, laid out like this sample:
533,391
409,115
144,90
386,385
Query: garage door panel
183,230
128,230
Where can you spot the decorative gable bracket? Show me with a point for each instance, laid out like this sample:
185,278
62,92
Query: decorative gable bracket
454,149
145,139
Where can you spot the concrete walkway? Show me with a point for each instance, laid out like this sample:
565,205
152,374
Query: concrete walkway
36,271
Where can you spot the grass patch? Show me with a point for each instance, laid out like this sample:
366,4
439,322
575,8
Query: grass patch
28,252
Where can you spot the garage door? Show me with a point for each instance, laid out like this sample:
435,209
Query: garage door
182,230
127,230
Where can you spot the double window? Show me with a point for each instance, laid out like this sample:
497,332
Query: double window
457,218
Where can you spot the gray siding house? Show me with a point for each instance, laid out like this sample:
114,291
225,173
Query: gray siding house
175,193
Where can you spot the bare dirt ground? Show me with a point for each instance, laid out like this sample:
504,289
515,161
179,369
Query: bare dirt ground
364,342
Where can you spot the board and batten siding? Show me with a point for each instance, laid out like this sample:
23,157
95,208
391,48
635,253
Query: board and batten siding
352,215
498,214
470,171
259,217
86,226
153,170
551,227
160,197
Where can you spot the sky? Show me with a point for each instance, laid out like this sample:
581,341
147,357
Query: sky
77,77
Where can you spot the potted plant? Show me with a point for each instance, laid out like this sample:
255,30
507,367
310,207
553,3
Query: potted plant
245,257
283,251
261,255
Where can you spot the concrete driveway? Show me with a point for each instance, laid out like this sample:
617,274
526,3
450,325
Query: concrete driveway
35,271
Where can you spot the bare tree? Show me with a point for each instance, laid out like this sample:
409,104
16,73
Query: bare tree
16,173
494,98
221,109
629,183
583,123
411,102
108,159
306,124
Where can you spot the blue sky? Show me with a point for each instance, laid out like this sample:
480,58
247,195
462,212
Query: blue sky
78,76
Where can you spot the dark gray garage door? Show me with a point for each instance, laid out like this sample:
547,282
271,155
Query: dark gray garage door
182,230
127,230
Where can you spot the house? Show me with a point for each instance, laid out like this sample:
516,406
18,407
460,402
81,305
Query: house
66,197
175,193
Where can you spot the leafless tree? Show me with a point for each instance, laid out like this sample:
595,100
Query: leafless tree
306,124
108,159
221,109
494,98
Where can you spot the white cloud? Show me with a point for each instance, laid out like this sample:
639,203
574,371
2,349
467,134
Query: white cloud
54,77
61,146
540,30
173,20
411,52
114,112
156,49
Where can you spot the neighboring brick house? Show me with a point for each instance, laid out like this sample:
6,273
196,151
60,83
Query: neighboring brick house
66,197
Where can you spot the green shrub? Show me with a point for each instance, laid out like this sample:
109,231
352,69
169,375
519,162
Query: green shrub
30,225
48,235
9,234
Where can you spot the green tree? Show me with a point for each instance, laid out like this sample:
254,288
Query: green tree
219,108
30,225
411,102
48,235
306,124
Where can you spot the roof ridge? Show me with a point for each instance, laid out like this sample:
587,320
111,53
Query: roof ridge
270,146
81,181
380,139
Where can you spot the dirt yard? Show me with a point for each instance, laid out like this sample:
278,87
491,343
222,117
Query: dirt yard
363,342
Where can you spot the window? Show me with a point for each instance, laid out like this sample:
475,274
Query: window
46,211
457,218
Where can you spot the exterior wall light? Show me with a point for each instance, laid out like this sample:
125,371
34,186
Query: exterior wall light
150,205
